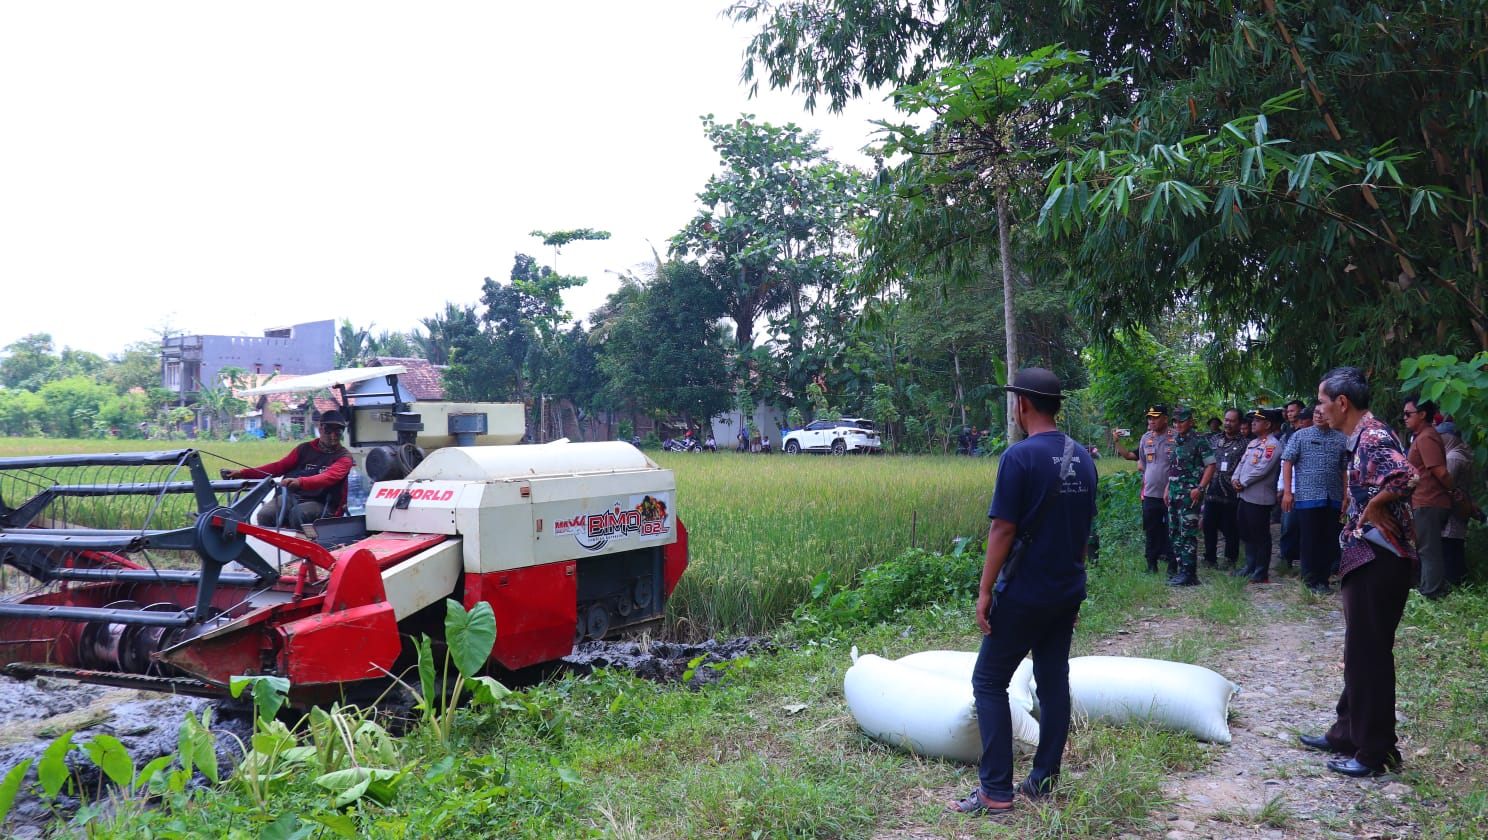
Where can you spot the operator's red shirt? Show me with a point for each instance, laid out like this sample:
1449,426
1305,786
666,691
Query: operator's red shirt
322,473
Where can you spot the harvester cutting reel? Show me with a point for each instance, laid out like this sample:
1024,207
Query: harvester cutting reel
93,608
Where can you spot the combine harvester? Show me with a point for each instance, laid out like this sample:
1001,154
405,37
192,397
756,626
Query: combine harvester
565,541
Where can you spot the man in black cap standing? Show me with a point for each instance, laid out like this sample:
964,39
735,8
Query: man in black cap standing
1154,453
1032,585
315,470
1255,483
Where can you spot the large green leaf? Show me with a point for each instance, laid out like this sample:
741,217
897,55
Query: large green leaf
287,827
110,756
52,770
10,785
470,635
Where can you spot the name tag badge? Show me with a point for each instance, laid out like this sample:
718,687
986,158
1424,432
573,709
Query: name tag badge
1224,466
1149,457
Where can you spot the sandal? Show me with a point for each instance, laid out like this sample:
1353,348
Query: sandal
973,804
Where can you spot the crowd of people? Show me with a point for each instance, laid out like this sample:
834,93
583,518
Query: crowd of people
1288,466
1354,503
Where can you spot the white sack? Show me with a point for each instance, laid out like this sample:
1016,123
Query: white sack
926,710
958,665
1170,695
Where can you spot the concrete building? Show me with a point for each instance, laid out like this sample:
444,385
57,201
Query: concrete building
189,361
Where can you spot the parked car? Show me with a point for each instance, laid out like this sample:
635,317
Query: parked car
839,437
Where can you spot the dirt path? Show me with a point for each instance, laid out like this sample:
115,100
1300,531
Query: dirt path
1289,667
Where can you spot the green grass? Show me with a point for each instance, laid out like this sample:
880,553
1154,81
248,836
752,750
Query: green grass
772,751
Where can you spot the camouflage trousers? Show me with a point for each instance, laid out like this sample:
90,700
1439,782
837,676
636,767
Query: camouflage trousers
1183,532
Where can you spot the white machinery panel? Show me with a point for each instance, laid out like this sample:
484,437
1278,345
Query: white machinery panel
520,506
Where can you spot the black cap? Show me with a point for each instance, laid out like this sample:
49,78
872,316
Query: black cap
1036,382
333,418
1271,415
1158,410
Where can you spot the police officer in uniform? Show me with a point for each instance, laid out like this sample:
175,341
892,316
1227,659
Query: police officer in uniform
1190,470
1154,451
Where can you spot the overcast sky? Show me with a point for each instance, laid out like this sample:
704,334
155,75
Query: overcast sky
222,168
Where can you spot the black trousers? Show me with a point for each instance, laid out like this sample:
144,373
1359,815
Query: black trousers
1219,518
1290,546
1155,529
1318,529
1454,551
1255,533
1373,600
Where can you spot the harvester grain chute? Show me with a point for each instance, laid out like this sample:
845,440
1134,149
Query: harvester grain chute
176,589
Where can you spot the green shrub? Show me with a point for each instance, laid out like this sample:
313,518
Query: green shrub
917,578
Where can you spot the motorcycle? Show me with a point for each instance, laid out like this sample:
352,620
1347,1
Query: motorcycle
678,445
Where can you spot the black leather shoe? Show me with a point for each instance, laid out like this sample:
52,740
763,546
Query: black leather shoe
1317,742
1352,767
1184,580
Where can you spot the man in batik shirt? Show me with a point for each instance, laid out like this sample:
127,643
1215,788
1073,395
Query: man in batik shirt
1378,565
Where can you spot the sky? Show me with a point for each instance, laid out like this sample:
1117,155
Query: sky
218,169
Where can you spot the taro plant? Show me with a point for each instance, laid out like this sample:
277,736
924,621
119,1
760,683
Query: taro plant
115,766
469,636
347,753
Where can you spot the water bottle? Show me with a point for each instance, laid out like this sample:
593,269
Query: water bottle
357,490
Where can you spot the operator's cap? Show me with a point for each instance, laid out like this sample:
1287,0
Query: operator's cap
1271,415
333,418
1182,412
1157,410
1036,382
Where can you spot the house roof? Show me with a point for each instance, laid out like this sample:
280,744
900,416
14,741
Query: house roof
422,379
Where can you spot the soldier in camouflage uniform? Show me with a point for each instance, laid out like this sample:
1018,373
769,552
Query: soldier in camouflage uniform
1189,473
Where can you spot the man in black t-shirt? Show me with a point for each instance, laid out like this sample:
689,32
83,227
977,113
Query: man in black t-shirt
1029,599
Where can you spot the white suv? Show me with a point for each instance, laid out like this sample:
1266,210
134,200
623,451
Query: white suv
839,437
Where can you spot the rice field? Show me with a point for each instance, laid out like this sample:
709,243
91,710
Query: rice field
762,528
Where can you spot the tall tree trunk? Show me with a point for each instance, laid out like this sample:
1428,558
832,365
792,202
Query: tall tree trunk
1005,246
960,393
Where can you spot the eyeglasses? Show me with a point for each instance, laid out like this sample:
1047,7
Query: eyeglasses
1408,412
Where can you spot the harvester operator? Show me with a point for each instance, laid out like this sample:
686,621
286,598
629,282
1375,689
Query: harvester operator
315,471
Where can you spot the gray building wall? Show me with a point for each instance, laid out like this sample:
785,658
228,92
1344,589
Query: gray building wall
185,360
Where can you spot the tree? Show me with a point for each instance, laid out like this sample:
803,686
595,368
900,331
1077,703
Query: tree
558,238
353,345
219,400
771,221
444,331
70,405
509,352
996,119
663,351
390,343
137,367
28,362
21,412
1287,166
